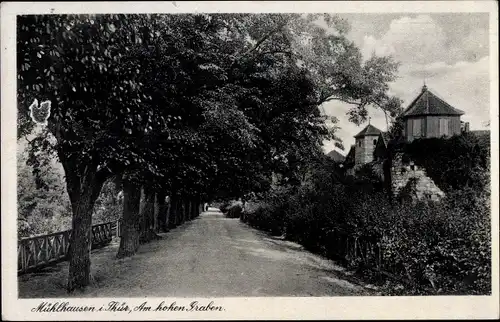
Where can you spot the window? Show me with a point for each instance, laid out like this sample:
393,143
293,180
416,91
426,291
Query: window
375,142
417,127
443,127
359,143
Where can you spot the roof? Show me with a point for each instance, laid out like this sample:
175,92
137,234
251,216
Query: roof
385,137
427,103
336,156
369,130
350,155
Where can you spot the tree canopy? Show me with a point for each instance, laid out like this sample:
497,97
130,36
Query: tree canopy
195,104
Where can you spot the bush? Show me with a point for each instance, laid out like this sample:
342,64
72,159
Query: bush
444,246
452,163
224,207
235,210
232,208
269,215
438,247
108,207
43,203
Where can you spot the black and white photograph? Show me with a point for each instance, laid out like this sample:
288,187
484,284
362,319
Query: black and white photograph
156,162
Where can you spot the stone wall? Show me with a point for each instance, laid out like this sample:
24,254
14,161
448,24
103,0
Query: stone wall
364,153
404,173
359,152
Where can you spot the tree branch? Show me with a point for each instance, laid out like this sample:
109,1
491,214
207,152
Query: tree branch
25,136
103,174
332,98
277,52
264,38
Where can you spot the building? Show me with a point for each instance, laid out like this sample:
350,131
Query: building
428,116
349,158
362,151
336,156
366,140
379,153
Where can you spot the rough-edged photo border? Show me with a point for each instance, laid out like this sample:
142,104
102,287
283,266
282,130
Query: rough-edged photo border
238,308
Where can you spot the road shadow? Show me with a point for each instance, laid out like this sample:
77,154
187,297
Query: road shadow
279,249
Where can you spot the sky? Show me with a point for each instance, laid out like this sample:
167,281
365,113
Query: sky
450,52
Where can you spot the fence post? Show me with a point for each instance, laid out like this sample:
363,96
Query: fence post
379,255
36,250
23,257
46,248
355,247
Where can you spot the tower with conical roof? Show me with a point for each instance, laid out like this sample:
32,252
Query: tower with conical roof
366,140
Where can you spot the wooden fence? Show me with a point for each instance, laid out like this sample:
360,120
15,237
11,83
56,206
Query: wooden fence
36,252
366,250
356,248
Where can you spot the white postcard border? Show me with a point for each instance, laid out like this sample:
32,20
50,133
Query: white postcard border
237,308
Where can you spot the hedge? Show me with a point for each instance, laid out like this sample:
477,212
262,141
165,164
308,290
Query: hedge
438,247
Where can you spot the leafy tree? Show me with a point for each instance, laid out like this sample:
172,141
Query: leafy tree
77,63
291,66
43,204
120,85
396,130
108,206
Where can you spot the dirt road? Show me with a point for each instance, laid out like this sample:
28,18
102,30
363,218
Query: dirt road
211,256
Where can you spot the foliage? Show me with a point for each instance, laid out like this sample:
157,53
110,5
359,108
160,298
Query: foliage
246,58
43,205
234,209
109,205
233,97
268,216
444,246
453,163
437,247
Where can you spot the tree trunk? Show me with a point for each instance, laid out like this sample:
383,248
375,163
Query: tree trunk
189,212
183,211
161,216
178,212
195,208
129,242
198,205
152,214
83,198
172,223
156,211
147,233
168,208
143,223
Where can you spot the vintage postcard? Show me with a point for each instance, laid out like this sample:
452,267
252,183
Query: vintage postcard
249,160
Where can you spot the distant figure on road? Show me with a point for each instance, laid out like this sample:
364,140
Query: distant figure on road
205,207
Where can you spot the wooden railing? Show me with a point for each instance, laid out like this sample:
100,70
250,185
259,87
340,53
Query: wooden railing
36,252
356,248
366,250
